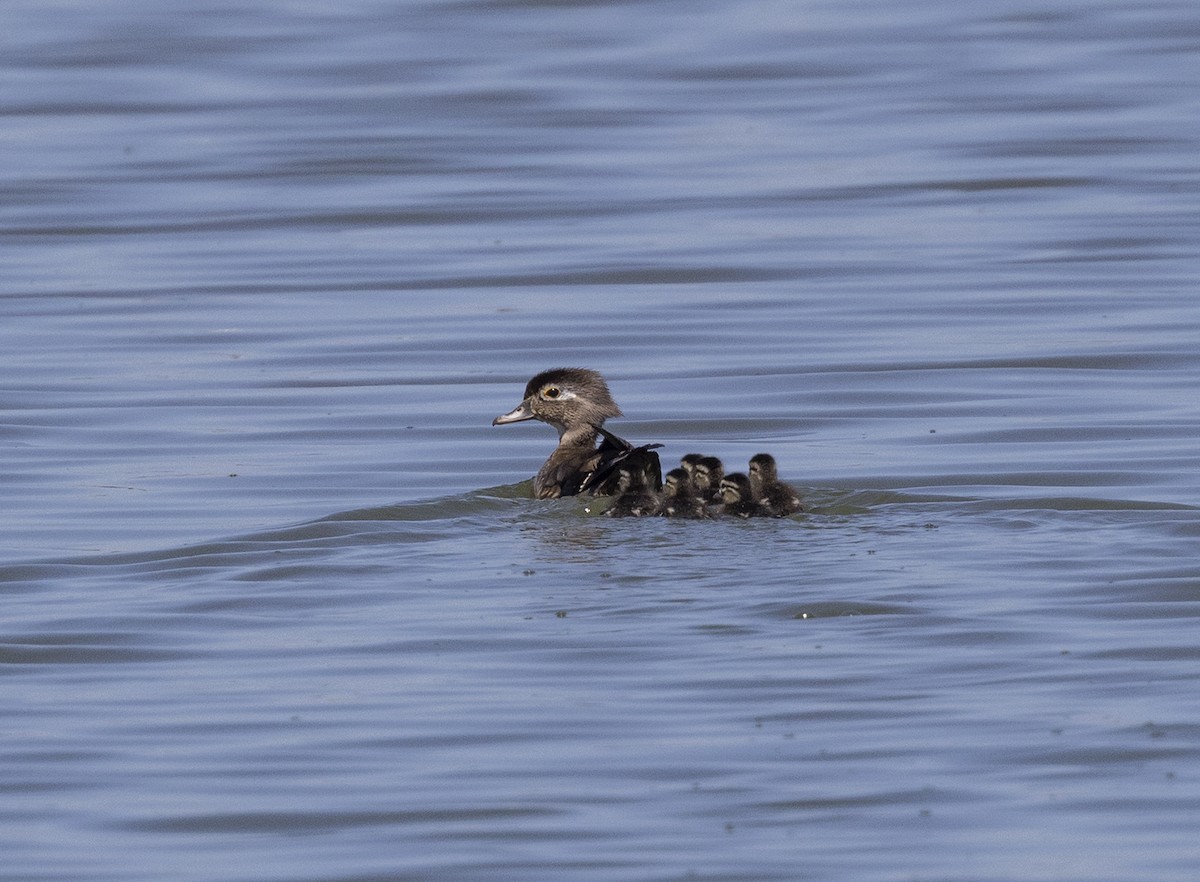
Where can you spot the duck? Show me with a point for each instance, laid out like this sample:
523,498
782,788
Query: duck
679,499
576,402
778,498
707,473
635,499
738,497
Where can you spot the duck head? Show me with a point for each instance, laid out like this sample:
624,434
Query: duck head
735,488
762,471
573,400
676,482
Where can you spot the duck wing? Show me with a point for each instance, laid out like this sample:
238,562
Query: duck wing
614,451
566,472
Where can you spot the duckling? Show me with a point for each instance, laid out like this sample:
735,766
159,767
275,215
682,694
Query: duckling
635,499
576,402
679,499
776,497
706,478
738,497
688,462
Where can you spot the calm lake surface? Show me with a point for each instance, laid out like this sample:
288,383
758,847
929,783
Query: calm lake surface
276,604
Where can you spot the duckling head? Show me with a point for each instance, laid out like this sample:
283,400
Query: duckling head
762,471
735,488
706,475
625,479
675,482
573,400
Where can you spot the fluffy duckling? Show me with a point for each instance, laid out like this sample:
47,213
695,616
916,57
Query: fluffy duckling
688,462
635,499
679,499
738,497
576,402
706,478
776,497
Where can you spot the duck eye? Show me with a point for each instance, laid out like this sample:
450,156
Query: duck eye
551,392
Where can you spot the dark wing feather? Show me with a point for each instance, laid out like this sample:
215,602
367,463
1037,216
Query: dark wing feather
614,451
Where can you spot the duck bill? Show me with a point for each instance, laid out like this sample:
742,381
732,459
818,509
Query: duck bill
518,414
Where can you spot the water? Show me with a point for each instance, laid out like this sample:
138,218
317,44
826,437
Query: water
276,604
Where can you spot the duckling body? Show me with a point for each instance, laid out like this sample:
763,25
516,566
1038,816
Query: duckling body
777,498
635,498
576,402
738,498
679,499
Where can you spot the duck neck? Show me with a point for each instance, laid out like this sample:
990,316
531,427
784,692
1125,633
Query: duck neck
578,436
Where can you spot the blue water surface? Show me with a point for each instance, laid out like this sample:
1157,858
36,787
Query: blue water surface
276,602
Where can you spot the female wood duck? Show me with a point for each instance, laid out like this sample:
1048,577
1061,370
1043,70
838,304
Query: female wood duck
679,499
739,498
776,497
576,401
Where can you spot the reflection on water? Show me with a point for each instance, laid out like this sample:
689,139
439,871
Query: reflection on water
268,570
